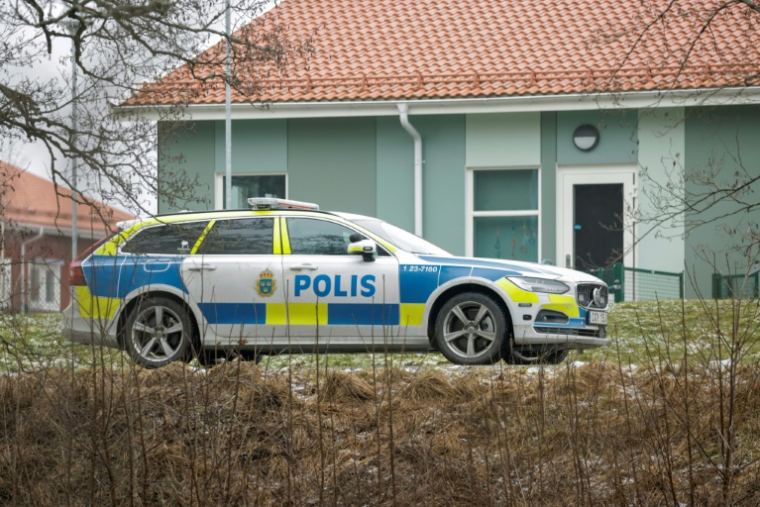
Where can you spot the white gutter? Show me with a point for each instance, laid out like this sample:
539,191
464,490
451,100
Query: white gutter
24,291
509,104
403,110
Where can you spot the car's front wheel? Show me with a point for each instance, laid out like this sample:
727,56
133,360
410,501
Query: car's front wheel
157,332
470,329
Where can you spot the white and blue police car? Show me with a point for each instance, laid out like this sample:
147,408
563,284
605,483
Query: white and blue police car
285,277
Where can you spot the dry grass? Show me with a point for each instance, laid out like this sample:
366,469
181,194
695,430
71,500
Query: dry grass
238,434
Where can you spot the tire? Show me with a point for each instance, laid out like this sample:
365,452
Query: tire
536,355
154,344
471,329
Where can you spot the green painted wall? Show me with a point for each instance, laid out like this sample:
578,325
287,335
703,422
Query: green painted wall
395,173
443,152
257,146
722,147
332,161
618,138
549,186
503,140
185,166
661,157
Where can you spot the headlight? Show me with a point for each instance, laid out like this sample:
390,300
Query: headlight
533,284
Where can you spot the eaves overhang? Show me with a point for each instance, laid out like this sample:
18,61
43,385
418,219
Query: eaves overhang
509,104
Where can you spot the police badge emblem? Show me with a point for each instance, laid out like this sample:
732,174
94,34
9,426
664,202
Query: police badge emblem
266,284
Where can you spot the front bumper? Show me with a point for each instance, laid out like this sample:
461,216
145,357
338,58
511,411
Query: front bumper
568,338
555,320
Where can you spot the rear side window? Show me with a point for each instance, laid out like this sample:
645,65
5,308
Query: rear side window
248,236
167,239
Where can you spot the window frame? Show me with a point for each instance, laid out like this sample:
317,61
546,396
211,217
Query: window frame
216,221
219,184
153,226
352,227
471,214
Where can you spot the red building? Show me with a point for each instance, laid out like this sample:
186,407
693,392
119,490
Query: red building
36,227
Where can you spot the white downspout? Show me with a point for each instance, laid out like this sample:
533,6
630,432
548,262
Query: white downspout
24,291
403,110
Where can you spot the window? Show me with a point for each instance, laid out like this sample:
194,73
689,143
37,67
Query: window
169,239
248,236
250,185
5,284
504,214
318,237
45,285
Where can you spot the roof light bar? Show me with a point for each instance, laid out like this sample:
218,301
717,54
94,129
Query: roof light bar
267,203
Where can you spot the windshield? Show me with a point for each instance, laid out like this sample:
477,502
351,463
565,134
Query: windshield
400,238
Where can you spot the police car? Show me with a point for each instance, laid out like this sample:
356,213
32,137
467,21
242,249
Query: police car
287,277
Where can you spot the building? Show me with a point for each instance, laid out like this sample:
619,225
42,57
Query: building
532,129
36,222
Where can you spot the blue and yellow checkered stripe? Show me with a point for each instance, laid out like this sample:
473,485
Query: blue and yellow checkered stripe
302,314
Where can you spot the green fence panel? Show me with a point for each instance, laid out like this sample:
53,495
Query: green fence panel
632,284
738,286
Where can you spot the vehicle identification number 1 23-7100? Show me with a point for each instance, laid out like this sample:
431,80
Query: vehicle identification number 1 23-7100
417,268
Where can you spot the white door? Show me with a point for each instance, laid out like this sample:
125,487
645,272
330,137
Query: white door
235,278
355,302
595,227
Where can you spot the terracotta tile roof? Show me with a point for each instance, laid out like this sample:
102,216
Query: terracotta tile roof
394,49
30,200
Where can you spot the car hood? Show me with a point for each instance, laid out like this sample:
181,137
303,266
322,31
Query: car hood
524,268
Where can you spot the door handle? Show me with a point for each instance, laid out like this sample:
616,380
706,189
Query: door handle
202,267
303,267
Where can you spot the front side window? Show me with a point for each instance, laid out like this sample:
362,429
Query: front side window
167,239
318,237
247,236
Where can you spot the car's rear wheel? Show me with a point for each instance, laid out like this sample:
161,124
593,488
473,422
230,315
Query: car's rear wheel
470,329
536,355
157,332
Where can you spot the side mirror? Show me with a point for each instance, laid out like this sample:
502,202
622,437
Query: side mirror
364,247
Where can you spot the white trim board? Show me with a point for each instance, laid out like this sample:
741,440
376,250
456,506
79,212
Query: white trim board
510,104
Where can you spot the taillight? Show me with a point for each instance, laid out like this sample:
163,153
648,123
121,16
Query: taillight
76,274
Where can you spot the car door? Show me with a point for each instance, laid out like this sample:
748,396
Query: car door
354,302
235,278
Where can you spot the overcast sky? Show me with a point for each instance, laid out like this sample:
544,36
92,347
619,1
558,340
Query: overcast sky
57,66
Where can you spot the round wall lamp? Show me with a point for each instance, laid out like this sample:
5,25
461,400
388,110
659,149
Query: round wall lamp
586,137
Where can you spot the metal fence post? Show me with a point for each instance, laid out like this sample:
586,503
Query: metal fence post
716,282
618,273
680,285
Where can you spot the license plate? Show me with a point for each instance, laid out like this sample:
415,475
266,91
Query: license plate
597,318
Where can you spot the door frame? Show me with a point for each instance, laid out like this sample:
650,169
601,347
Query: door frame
567,178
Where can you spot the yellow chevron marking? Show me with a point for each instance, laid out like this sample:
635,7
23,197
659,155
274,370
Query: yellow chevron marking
203,235
95,307
300,314
411,314
516,293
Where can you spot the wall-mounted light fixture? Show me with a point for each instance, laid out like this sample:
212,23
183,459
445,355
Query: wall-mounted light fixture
586,137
